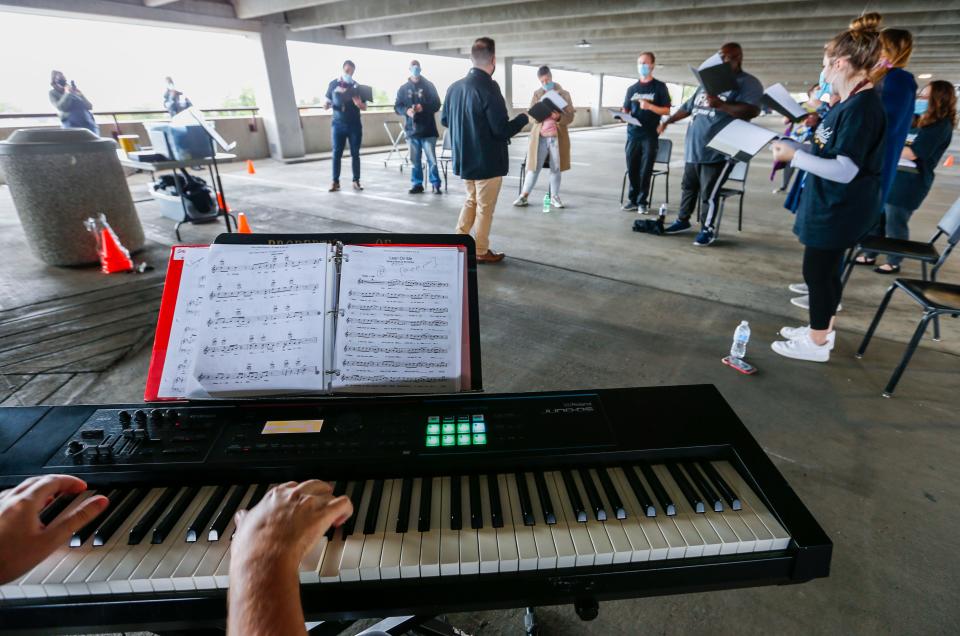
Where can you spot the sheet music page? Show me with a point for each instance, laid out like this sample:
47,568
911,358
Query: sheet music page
713,60
400,322
781,95
625,117
263,319
741,136
555,97
177,380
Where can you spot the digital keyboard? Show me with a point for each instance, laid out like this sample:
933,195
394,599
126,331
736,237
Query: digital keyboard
461,503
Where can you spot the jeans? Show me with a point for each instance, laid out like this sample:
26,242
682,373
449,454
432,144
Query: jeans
423,146
641,155
703,181
897,219
822,274
342,134
548,146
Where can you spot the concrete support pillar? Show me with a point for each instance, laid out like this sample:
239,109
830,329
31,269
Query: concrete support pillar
508,81
275,96
597,107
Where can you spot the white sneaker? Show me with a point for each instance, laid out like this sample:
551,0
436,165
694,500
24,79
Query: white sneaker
643,209
802,348
521,202
556,202
798,288
803,302
792,333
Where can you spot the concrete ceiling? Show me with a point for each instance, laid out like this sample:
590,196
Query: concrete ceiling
782,40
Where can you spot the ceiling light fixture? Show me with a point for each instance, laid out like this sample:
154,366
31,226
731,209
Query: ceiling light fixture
925,75
583,44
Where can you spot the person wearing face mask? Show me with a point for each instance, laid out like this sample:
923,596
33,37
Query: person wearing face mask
548,138
647,100
476,117
344,98
706,169
935,113
841,189
418,101
73,108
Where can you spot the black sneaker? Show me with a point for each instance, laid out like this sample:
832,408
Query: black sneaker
678,226
437,190
417,189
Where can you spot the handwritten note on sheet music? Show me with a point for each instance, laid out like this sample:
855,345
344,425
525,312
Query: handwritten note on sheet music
263,319
400,322
177,379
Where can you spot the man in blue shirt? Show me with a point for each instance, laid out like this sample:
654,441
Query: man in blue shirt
647,101
418,101
344,97
706,169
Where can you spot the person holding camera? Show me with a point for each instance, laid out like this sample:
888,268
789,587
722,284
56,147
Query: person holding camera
73,108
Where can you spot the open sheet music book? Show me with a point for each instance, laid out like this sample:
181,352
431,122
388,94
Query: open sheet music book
778,98
715,76
550,103
742,140
246,320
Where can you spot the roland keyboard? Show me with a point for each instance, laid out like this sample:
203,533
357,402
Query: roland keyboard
461,503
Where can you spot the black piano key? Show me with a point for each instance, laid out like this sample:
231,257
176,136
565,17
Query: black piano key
115,498
700,483
496,511
355,496
658,490
257,495
646,502
476,508
426,496
339,488
122,512
173,516
403,513
546,504
149,518
206,513
373,510
574,495
226,513
526,505
722,487
56,506
596,503
613,497
456,513
689,493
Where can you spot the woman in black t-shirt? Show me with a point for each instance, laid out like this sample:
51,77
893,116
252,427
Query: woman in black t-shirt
936,111
841,190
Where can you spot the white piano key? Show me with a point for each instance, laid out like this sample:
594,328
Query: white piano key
766,527
542,537
330,565
410,543
622,548
695,543
449,538
526,545
585,554
430,540
676,546
353,545
309,569
713,542
566,553
506,537
184,576
392,540
119,579
205,576
598,535
639,542
487,535
469,541
161,580
373,543
155,561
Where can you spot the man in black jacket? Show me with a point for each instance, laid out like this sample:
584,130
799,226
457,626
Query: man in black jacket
418,101
480,129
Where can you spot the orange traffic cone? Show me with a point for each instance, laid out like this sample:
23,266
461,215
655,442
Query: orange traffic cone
242,226
949,162
113,256
221,203
250,169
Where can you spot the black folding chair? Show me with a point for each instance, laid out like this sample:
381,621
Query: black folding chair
737,178
664,153
444,158
523,171
937,299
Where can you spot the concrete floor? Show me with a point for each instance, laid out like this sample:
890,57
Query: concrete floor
596,305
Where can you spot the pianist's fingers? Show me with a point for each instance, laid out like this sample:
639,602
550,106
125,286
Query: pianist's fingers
39,491
62,528
313,487
331,511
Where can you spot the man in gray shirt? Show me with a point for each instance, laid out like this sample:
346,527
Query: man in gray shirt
705,169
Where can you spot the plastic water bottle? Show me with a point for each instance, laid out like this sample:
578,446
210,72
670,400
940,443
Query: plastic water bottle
662,216
546,203
740,339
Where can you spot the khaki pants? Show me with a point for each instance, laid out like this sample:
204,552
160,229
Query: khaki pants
478,210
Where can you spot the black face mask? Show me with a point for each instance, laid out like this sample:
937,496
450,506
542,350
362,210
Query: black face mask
62,83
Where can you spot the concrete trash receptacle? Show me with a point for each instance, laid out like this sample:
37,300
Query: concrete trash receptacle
59,177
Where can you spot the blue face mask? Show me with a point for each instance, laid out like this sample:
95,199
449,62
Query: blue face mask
347,77
415,71
644,70
549,86
920,106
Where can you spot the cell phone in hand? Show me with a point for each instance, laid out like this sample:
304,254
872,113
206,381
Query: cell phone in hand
739,365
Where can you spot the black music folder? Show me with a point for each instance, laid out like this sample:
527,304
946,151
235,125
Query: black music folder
550,103
777,98
365,93
715,76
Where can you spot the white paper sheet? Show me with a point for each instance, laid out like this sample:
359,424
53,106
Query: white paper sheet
625,117
264,319
741,137
400,322
177,381
555,97
713,60
781,95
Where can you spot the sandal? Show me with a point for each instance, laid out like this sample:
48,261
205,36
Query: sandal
863,260
882,269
